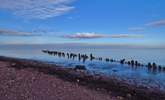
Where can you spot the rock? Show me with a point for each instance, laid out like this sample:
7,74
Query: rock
129,95
78,80
13,64
114,70
80,67
120,98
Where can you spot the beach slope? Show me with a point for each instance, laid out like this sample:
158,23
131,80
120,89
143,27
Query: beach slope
29,84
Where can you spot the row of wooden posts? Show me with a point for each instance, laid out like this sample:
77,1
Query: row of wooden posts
91,57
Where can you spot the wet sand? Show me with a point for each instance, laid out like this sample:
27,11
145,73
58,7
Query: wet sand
33,80
29,84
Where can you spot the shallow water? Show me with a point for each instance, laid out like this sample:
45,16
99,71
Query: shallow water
139,76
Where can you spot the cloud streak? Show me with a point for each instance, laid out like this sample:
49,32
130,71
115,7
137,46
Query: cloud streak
84,36
94,36
156,23
37,9
153,24
7,32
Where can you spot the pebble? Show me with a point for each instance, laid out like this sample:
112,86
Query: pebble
129,95
120,98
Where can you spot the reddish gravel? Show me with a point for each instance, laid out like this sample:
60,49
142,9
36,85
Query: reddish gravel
27,84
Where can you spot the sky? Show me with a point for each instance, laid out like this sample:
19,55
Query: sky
135,22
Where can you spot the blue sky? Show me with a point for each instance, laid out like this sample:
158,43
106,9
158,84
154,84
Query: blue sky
140,22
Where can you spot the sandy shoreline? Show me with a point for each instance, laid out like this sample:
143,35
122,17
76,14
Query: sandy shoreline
24,79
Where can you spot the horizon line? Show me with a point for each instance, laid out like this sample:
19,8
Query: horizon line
94,44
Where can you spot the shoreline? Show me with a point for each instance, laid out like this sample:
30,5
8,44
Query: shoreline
101,83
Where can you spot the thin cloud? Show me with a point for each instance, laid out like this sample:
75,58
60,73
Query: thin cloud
84,36
136,29
156,23
37,32
37,9
7,32
126,36
94,36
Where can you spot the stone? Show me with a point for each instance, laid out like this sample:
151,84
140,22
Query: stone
80,67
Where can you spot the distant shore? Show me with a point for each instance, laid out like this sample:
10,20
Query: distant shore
102,84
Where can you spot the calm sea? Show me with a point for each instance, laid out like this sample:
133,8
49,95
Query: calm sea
139,76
